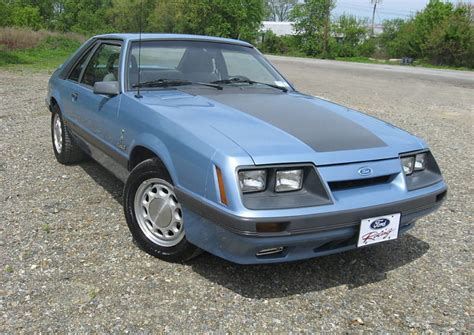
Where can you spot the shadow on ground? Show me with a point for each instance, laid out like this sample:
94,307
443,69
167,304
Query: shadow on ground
353,268
104,179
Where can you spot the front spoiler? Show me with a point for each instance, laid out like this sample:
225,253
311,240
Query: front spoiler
214,231
304,224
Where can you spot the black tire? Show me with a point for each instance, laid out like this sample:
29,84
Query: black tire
70,151
146,170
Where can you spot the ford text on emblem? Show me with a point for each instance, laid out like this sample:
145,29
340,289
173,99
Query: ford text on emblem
365,171
380,223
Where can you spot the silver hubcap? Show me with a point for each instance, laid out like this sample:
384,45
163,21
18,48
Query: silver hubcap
57,133
158,212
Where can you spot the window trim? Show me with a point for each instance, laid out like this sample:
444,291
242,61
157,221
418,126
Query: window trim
128,51
99,44
87,54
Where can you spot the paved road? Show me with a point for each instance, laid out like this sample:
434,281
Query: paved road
421,73
69,265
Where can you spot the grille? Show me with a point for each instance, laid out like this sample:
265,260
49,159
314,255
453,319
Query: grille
348,184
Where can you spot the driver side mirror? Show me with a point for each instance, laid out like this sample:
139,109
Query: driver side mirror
110,88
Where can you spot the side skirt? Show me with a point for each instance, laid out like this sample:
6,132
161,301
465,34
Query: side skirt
113,162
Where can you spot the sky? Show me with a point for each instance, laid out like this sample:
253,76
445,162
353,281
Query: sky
386,9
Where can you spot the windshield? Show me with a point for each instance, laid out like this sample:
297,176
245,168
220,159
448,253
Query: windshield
169,63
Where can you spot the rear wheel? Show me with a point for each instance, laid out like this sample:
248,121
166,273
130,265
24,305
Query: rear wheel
154,214
65,150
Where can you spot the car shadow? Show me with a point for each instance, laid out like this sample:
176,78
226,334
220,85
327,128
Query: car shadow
353,268
104,179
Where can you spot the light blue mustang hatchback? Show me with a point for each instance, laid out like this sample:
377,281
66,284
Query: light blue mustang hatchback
219,152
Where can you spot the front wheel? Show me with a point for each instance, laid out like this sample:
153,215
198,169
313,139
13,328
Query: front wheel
154,214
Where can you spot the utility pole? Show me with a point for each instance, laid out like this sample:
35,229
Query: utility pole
374,2
326,27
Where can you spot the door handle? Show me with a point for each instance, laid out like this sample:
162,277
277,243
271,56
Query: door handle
74,96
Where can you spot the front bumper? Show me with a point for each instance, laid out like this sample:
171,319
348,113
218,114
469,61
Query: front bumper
235,238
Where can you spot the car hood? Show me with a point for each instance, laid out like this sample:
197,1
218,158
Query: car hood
276,127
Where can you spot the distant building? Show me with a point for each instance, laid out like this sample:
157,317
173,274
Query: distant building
378,28
286,28
279,28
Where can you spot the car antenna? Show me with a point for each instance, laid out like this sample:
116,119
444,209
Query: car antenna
138,95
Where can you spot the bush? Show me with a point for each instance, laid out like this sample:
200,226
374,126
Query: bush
441,34
23,38
12,14
350,33
368,48
452,41
273,44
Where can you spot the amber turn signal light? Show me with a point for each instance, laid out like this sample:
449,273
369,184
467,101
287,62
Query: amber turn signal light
220,181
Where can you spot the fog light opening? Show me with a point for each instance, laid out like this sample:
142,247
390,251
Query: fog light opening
271,227
441,196
269,251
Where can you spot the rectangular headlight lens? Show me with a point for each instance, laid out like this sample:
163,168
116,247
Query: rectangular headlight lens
420,162
252,180
408,164
289,180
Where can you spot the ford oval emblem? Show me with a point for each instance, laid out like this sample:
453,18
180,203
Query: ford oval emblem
380,223
365,171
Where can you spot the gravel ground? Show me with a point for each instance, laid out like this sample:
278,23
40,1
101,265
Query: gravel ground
69,264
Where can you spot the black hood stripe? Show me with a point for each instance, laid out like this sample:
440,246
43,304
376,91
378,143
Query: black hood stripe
320,128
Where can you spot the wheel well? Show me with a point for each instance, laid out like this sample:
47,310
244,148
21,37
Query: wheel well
52,103
140,154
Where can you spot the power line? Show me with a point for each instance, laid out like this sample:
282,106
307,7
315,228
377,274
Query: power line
368,10
381,9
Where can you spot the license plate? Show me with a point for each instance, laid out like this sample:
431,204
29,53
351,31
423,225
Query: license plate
378,229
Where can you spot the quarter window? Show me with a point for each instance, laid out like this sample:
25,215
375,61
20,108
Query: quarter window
103,65
77,70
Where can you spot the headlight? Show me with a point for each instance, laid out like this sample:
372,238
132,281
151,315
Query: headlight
252,180
414,163
420,161
289,180
408,164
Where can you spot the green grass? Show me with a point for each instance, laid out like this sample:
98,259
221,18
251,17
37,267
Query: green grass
367,60
360,59
51,53
417,63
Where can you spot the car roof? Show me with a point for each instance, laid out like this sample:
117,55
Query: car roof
168,37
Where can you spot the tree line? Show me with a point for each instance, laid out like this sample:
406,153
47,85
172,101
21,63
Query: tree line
236,19
442,33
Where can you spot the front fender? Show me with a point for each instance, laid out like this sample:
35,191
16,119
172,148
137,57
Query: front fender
156,146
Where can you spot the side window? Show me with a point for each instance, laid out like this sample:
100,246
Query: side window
76,71
103,65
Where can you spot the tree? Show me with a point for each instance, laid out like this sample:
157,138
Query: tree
5,14
440,34
351,32
234,19
166,16
26,16
85,16
279,10
129,15
390,38
452,41
312,25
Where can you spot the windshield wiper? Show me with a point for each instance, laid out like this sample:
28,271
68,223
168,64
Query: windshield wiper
248,81
173,82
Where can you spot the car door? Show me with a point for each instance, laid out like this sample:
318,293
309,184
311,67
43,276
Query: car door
69,91
101,111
